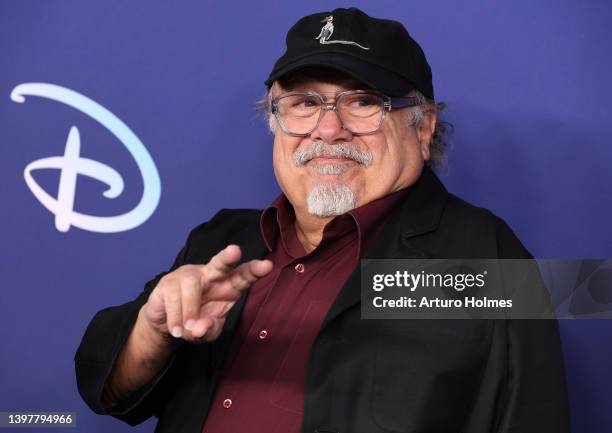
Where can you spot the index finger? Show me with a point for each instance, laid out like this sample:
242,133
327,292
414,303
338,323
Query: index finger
247,273
222,263
237,280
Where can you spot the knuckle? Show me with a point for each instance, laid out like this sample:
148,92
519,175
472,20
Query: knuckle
159,287
186,270
205,271
167,282
248,276
163,282
190,280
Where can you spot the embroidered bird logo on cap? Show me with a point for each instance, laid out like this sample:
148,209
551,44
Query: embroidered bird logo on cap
328,29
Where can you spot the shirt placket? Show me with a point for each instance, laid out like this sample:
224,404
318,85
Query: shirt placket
261,335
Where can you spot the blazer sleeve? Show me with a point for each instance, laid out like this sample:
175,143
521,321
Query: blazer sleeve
535,395
101,344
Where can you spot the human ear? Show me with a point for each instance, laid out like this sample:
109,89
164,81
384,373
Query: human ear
425,132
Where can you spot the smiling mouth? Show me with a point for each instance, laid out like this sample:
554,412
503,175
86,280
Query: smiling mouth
330,166
330,160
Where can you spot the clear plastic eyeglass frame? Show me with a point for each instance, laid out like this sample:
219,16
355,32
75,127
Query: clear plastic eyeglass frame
387,103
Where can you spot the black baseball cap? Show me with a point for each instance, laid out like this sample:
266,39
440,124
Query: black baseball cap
378,52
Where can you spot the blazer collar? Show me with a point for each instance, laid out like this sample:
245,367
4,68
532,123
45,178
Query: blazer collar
419,213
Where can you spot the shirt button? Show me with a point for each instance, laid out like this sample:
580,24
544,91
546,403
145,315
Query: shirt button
299,268
227,403
263,334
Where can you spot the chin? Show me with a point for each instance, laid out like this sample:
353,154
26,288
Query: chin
330,198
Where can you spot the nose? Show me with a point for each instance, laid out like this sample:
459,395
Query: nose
330,128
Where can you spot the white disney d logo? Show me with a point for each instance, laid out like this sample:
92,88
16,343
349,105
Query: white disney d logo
71,165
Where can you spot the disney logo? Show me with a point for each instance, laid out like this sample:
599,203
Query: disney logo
71,164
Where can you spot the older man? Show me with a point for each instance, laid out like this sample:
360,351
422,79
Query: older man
257,327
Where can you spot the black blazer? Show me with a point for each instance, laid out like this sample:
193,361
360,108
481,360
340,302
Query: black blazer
365,376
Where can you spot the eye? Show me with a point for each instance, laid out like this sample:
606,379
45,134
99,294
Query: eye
305,101
361,101
366,101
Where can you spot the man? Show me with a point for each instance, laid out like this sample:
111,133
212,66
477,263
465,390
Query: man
257,327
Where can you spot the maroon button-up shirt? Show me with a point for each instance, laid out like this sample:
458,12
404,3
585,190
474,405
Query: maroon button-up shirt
262,386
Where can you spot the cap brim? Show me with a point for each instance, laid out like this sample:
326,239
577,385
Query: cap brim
373,76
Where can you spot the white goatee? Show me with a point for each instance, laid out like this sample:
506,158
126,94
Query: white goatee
327,199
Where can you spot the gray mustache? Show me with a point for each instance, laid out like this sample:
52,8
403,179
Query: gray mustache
340,150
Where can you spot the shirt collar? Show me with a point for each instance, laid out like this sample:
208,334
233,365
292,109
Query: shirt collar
277,223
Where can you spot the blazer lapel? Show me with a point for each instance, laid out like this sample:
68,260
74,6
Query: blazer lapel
419,213
253,247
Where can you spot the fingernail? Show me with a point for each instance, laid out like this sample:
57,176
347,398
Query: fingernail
177,332
189,324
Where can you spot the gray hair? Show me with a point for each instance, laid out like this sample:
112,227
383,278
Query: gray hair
438,146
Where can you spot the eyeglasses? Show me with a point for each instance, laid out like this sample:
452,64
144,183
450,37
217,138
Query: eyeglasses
360,111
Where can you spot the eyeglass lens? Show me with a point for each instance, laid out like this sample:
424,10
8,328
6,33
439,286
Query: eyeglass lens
359,112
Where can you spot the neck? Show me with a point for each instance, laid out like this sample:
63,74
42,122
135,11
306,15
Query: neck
309,230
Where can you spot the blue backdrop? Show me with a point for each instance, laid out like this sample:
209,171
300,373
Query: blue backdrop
528,90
